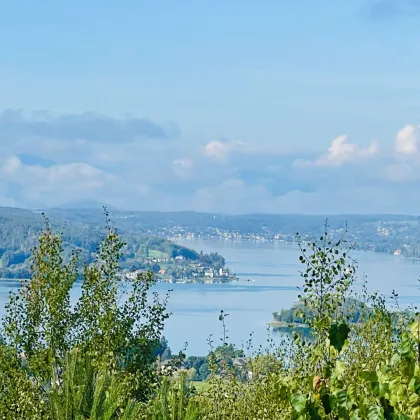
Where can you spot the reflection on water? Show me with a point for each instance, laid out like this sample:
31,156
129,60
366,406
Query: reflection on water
290,332
275,271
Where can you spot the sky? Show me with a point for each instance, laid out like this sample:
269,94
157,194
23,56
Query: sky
268,106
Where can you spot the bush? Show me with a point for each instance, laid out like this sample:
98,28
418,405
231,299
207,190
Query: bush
115,327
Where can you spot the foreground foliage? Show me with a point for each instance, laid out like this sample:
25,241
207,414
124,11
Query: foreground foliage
96,358
113,327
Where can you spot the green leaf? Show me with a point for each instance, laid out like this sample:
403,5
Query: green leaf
375,413
415,385
327,371
327,403
383,389
406,345
415,330
283,391
322,323
298,402
338,335
368,376
340,367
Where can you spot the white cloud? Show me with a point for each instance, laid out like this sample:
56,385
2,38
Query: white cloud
11,165
186,162
407,140
406,165
342,151
217,150
220,151
57,184
53,175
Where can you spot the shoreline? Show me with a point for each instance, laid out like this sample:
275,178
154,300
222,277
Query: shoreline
286,325
277,242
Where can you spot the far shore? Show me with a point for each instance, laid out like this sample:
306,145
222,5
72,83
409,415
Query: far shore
282,324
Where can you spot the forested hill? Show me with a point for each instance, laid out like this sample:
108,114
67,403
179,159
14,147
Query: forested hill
20,229
147,233
373,232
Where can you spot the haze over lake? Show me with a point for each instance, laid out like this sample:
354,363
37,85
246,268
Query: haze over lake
275,271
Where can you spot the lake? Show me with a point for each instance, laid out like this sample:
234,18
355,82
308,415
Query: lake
275,270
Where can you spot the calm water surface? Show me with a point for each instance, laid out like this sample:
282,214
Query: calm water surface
275,271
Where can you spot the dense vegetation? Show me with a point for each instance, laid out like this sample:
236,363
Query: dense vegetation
351,308
102,358
20,229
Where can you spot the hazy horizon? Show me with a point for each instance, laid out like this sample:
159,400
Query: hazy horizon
122,210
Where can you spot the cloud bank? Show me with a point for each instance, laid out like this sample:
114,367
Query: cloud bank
134,163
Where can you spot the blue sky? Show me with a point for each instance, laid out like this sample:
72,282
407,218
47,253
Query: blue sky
233,106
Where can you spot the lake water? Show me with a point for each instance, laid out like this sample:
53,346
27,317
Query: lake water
275,270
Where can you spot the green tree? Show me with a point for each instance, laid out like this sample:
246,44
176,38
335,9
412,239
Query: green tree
115,326
204,371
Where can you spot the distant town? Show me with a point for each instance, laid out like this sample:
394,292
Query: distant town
387,233
397,238
183,270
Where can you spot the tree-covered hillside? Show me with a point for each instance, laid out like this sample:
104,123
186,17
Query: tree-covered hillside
20,229
374,232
